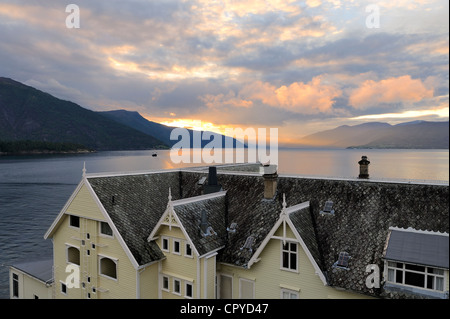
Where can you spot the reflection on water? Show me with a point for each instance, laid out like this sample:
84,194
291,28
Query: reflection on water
33,190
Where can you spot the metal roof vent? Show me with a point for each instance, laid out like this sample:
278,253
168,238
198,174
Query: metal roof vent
248,243
232,228
342,261
328,208
202,180
205,229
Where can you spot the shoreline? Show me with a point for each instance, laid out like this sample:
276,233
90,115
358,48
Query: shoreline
45,152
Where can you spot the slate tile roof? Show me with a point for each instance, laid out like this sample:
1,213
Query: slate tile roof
139,201
364,211
190,216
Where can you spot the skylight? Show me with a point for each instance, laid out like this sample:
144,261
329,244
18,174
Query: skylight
342,261
328,208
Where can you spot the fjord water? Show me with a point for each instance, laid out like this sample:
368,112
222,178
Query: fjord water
34,189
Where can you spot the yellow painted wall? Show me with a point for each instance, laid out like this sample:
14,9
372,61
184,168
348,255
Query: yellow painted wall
270,279
122,287
149,282
29,287
177,266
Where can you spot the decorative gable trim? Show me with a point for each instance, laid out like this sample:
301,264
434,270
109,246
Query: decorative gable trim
170,218
285,222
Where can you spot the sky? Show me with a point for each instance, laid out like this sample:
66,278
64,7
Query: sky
298,66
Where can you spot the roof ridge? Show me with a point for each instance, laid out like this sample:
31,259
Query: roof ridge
198,198
418,231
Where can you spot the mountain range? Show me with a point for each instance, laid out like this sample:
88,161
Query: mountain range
409,135
30,114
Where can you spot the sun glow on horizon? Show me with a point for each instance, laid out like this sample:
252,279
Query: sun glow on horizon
439,112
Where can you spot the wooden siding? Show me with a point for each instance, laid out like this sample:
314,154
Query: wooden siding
177,266
29,287
270,279
124,286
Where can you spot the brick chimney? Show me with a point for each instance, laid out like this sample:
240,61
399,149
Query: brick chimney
364,167
270,180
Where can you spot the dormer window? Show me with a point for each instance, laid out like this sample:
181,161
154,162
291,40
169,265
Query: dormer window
416,262
415,276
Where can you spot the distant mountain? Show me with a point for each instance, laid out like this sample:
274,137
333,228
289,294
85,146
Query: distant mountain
414,135
29,114
162,132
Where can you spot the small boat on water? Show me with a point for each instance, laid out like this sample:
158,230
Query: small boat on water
154,154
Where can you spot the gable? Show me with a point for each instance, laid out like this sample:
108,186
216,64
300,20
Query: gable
186,214
84,205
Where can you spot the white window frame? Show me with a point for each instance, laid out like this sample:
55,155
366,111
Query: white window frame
289,254
15,282
174,242
67,254
186,283
163,238
290,292
79,222
240,287
168,283
62,283
174,291
103,234
115,260
186,245
220,282
389,266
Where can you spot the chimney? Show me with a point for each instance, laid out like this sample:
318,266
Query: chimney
212,186
270,181
364,167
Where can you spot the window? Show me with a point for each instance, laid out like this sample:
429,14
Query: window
165,283
226,287
63,288
188,251
73,255
176,246
15,285
416,276
177,286
165,244
246,289
105,229
188,290
289,294
74,221
108,267
289,256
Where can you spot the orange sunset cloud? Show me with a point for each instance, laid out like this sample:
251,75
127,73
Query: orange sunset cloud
391,90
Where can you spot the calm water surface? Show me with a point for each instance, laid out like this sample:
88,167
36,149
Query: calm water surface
34,189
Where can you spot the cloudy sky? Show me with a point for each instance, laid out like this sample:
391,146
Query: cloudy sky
299,66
